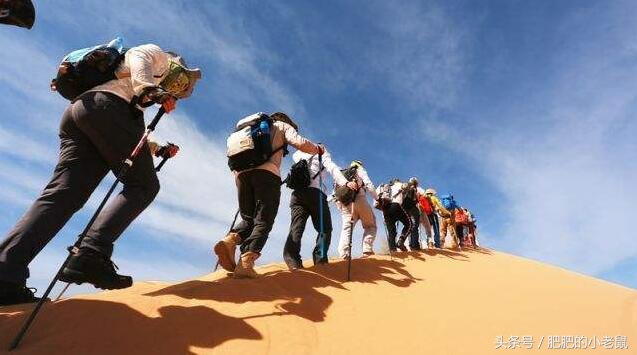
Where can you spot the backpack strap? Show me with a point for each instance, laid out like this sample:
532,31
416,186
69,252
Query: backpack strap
320,170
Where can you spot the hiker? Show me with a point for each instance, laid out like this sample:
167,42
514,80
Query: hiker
470,227
438,213
98,131
19,13
448,224
394,212
410,205
426,218
357,208
305,203
461,220
256,168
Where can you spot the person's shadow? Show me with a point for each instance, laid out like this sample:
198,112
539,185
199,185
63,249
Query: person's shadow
79,326
298,292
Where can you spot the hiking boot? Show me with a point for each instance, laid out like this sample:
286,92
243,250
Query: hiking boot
294,264
401,244
367,254
13,293
226,250
88,265
245,267
430,245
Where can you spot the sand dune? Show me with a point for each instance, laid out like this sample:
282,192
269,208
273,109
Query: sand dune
429,303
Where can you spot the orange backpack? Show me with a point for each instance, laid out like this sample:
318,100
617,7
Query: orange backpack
461,217
425,205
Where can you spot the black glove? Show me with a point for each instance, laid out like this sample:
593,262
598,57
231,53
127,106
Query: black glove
158,95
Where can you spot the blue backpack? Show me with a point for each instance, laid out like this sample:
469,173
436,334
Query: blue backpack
86,68
251,143
449,202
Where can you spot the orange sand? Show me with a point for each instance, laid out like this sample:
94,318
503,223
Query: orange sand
430,303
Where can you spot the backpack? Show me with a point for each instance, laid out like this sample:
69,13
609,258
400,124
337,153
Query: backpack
350,173
409,197
299,176
19,13
461,217
449,202
344,194
384,197
425,205
251,144
86,68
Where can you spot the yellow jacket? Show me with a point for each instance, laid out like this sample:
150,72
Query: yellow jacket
439,207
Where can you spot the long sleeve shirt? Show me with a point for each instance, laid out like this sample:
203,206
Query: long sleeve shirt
397,192
283,133
438,206
143,66
329,167
363,180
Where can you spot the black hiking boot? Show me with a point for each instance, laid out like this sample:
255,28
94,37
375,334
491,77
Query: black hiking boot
95,268
12,293
401,244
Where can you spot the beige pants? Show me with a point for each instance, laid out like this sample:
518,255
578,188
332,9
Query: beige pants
449,223
363,212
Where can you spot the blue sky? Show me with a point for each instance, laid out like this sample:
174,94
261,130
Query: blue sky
524,110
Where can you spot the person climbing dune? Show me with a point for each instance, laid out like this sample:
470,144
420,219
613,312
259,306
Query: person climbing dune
257,169
99,129
304,203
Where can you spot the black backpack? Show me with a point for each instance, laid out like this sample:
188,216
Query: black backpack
344,194
19,13
299,176
86,68
409,197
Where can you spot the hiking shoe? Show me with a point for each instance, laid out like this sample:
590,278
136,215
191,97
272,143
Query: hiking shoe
294,265
367,254
226,250
90,266
13,293
401,244
245,266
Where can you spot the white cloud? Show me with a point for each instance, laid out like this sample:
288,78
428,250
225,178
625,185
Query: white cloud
566,173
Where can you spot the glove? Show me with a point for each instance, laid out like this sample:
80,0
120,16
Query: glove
167,151
162,97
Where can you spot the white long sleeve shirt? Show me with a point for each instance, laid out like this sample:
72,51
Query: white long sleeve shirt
329,166
396,192
362,179
143,66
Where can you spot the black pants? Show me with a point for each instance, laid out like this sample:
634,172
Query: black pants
460,233
395,213
97,133
414,219
303,204
259,194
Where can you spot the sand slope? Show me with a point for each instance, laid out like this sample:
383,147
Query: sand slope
433,303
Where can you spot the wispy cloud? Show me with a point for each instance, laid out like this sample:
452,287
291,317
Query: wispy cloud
565,175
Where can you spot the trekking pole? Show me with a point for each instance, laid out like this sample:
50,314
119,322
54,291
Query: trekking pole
351,235
157,169
391,255
230,230
127,164
322,242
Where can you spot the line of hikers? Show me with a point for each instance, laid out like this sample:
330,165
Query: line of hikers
255,151
109,86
